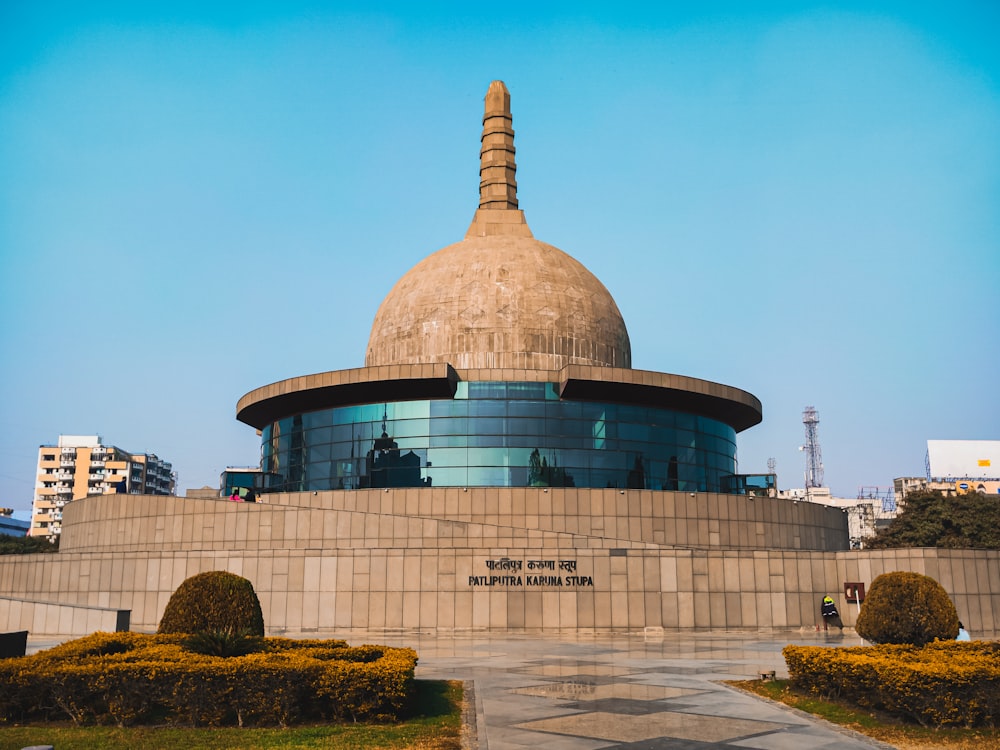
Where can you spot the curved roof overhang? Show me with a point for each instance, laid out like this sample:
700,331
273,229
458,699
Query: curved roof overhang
365,385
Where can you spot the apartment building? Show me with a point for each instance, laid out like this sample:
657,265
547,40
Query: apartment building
81,465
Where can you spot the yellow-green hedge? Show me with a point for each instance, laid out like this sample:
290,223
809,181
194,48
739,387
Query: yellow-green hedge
131,678
944,683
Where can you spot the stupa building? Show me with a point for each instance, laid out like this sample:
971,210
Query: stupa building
496,464
499,361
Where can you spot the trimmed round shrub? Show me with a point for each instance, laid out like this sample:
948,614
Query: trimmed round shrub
214,602
909,608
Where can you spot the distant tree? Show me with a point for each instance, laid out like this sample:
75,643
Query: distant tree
26,545
929,519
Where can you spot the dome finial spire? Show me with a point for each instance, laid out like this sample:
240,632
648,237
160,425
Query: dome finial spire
498,212
497,186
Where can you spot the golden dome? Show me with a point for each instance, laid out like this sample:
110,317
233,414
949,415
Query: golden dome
499,298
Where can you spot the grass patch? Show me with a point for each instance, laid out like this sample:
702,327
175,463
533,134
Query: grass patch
435,724
873,724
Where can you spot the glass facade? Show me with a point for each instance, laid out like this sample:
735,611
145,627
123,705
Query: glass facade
495,434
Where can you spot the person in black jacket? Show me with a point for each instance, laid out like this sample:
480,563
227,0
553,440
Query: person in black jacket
830,614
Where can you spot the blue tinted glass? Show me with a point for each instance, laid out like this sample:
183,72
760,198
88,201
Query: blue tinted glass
488,425
525,409
448,441
449,408
533,439
448,457
487,390
410,410
533,391
487,408
490,476
410,428
521,426
448,477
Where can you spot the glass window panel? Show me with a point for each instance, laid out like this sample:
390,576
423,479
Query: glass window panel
487,425
527,391
523,441
487,441
523,426
449,408
312,419
451,426
525,409
487,408
448,477
410,428
319,435
488,476
564,409
685,421
633,432
448,441
346,415
576,428
410,410
318,453
491,456
344,433
417,444
487,389
439,457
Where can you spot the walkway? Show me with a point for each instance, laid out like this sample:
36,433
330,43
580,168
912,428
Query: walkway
627,692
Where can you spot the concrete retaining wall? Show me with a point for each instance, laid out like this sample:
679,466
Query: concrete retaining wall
377,562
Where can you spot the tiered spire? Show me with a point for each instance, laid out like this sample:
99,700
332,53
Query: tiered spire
497,186
498,212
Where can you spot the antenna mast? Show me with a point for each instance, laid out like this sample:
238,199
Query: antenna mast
814,456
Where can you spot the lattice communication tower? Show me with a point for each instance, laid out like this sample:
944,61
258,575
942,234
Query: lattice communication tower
814,456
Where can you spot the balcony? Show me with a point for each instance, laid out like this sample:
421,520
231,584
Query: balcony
96,477
97,462
67,462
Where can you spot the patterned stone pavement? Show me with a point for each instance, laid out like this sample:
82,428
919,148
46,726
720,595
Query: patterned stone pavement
638,692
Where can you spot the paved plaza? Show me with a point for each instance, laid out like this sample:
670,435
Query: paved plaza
627,692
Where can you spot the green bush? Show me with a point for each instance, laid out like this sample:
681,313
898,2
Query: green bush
132,678
216,601
942,684
224,643
907,608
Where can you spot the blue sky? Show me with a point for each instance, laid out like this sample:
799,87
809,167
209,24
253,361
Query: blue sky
801,200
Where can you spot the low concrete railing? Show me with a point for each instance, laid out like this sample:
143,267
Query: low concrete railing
46,618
